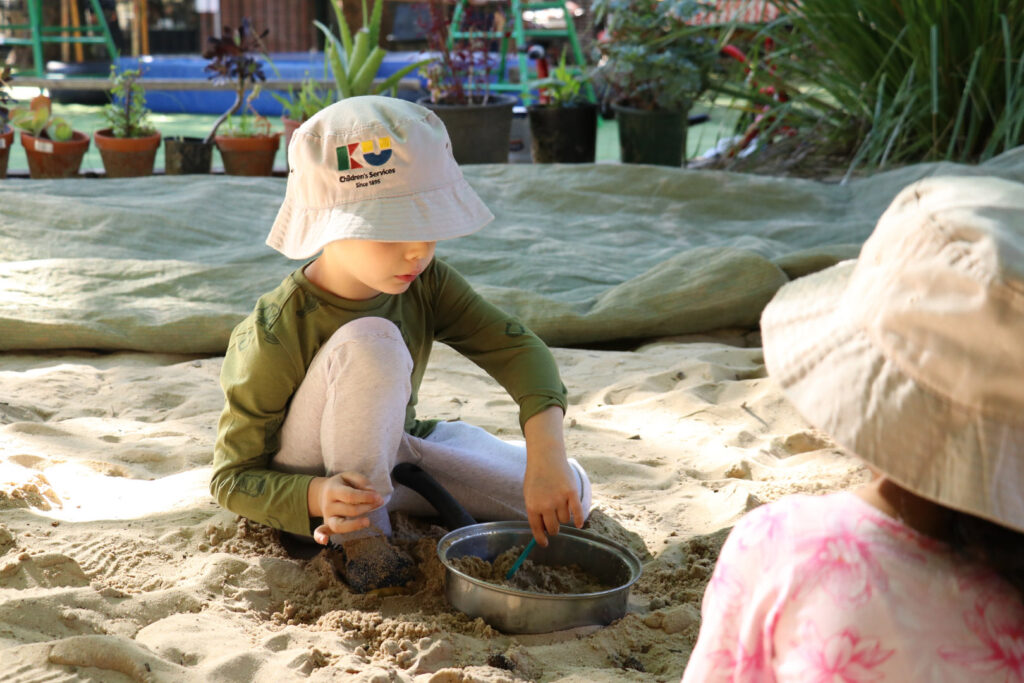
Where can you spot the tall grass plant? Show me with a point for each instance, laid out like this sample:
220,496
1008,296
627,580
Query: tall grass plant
897,81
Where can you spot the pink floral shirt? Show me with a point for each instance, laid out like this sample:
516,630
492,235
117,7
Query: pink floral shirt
827,589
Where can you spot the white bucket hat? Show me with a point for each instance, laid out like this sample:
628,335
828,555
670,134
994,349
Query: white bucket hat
912,357
375,168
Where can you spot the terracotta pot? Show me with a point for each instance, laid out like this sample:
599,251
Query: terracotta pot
563,135
187,156
290,126
655,136
480,133
248,156
52,159
6,140
126,157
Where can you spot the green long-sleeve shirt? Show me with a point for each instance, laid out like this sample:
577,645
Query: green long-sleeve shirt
270,351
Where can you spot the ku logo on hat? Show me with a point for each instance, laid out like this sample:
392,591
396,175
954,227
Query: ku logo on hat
361,154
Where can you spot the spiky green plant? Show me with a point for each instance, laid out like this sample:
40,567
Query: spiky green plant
355,59
563,86
900,81
303,103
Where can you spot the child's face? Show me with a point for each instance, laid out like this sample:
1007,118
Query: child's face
362,269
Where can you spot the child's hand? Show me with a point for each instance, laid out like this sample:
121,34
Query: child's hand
551,496
549,488
342,500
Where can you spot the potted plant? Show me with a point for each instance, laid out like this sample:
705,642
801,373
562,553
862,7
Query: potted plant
458,79
300,105
250,146
53,148
6,132
128,146
563,126
355,59
654,67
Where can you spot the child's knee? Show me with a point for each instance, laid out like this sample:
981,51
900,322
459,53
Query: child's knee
369,329
585,489
368,349
374,342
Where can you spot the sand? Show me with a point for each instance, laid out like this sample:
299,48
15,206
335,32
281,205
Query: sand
531,576
115,564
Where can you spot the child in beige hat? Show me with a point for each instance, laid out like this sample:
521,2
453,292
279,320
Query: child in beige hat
321,379
912,358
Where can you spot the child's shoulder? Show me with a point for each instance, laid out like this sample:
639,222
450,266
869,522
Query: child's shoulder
275,308
794,516
793,508
289,294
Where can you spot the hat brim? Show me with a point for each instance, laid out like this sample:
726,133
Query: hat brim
454,210
838,379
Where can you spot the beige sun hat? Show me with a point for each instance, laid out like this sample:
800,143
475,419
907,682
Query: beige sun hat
375,168
912,357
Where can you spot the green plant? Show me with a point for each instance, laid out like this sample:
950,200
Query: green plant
651,58
902,81
6,100
127,113
458,73
563,86
305,102
38,121
232,57
248,126
355,60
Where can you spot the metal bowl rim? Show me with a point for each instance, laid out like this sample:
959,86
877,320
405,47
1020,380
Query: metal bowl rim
477,529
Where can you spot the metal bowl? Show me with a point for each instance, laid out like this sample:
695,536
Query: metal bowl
515,611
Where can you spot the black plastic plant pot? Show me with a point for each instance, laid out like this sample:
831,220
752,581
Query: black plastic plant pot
655,137
563,135
480,133
187,156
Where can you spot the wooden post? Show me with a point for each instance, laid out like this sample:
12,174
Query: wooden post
76,22
65,20
144,25
136,38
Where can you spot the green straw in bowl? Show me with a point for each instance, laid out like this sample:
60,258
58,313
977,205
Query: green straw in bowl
522,557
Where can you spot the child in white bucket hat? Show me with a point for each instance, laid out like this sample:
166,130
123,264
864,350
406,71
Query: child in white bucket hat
912,358
321,379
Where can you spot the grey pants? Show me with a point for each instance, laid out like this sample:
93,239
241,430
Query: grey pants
348,415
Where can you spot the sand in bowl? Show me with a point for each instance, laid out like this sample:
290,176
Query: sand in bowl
531,576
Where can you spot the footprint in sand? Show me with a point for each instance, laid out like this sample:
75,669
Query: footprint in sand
130,562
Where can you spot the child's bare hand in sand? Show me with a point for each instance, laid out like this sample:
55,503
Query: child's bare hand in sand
343,501
549,488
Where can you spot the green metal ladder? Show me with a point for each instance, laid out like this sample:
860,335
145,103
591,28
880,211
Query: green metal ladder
519,35
39,34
